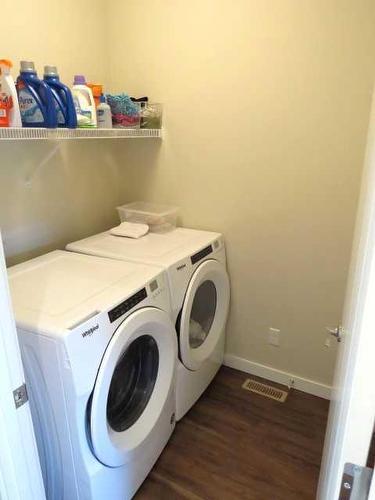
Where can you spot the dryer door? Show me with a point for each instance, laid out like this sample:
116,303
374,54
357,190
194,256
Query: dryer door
135,378
204,313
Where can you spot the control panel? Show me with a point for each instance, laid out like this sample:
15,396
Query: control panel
201,254
128,304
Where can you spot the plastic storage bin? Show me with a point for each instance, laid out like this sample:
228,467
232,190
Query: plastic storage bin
160,218
151,115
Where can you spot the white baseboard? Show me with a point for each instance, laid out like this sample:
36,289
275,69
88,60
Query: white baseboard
302,384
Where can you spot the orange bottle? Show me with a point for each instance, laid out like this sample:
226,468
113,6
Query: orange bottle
97,90
6,105
9,107
6,102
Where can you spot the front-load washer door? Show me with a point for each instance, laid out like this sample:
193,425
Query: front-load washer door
204,313
135,378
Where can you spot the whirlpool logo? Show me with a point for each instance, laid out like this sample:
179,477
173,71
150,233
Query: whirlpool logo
90,331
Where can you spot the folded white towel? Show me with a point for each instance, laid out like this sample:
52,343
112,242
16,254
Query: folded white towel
130,230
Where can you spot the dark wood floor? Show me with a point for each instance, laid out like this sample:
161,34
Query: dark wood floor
238,445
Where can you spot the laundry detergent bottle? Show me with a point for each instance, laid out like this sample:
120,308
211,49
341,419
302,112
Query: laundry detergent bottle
35,99
84,103
9,109
65,110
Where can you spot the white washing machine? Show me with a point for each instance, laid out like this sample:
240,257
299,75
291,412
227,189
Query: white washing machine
199,285
99,350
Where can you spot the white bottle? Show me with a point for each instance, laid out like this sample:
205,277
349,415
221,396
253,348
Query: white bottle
8,87
84,103
103,113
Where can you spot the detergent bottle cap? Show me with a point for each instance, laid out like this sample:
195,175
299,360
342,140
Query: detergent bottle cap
50,71
27,66
5,66
79,80
102,98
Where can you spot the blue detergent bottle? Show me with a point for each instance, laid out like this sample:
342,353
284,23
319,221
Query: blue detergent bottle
35,98
65,109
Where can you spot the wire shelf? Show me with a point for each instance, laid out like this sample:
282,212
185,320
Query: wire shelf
21,134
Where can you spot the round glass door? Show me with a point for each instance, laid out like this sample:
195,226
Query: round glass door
204,313
134,380
132,383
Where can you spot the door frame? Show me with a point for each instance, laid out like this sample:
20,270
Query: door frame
352,409
20,473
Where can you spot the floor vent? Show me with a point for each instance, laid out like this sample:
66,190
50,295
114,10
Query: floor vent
265,390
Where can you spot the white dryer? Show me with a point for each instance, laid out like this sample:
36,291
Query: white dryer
99,350
195,262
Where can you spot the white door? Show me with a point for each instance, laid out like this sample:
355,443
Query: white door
20,474
204,313
352,411
135,379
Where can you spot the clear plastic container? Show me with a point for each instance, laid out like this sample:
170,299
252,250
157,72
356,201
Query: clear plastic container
151,115
159,218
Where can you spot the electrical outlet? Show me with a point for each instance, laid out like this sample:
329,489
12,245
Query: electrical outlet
274,336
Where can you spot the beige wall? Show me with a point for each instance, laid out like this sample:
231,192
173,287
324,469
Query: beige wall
266,108
50,195
69,34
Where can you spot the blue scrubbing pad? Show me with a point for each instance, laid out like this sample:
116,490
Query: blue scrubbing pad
121,103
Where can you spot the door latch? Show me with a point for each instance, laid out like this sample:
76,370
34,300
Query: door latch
336,332
20,396
356,482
